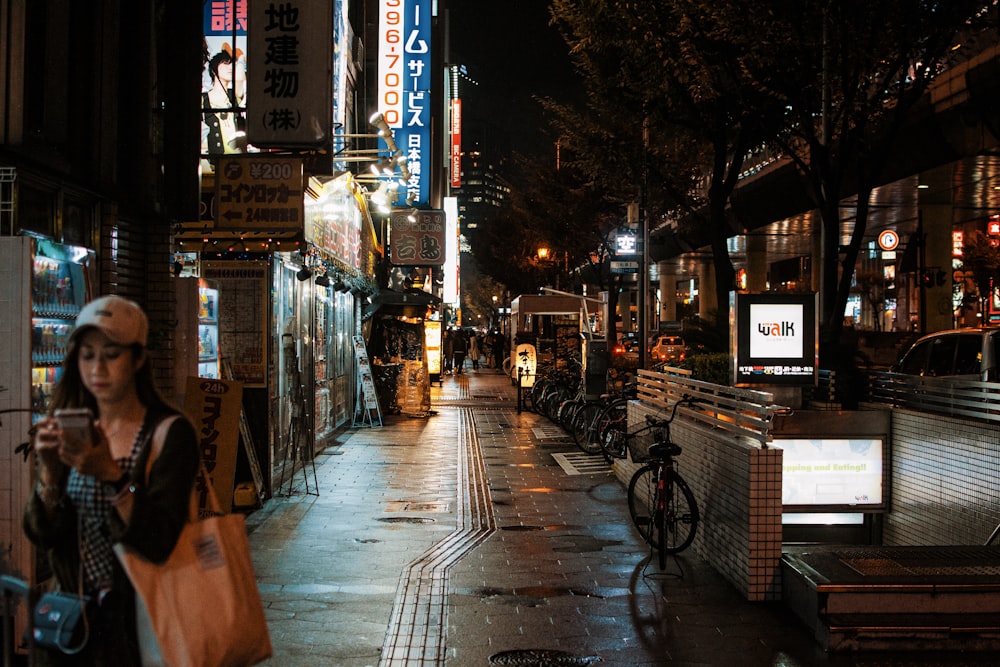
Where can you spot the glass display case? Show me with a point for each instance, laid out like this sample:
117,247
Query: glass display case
208,331
58,292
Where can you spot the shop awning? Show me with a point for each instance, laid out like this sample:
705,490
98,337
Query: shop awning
408,303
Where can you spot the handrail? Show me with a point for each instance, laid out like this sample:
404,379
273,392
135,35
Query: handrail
742,412
944,396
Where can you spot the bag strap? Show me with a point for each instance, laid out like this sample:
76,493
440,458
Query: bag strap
156,444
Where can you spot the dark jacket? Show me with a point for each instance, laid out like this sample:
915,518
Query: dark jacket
160,509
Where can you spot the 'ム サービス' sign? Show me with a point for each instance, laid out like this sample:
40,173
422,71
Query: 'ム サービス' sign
256,193
419,241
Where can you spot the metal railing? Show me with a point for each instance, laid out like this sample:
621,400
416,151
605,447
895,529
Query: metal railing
742,412
944,396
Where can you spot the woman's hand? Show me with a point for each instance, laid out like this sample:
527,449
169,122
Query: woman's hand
93,459
47,444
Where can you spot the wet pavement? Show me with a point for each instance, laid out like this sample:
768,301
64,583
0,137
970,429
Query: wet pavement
482,536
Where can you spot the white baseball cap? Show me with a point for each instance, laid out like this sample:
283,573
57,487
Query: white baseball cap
118,318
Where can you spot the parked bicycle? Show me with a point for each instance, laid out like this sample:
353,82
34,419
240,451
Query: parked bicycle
660,502
598,422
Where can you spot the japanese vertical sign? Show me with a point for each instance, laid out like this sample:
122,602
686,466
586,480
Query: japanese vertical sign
456,143
214,407
417,242
404,87
290,76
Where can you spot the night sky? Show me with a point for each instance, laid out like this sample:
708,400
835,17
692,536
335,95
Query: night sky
512,53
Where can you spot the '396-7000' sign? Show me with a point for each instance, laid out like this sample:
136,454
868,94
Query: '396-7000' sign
417,238
256,193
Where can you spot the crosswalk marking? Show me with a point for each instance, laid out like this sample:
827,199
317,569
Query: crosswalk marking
578,463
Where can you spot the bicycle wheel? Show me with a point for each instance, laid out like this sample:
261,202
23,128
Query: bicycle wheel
583,425
669,526
568,410
613,444
613,418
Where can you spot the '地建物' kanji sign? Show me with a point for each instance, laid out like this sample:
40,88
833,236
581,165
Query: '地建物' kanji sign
288,75
256,193
417,242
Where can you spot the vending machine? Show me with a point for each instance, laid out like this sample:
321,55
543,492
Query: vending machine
208,331
43,286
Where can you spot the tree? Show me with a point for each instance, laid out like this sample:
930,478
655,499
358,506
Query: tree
674,84
871,284
857,71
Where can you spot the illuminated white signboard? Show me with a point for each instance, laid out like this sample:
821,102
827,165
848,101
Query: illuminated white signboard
774,339
832,473
626,244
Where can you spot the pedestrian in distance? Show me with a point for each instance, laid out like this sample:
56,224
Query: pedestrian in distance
474,351
449,350
461,348
126,476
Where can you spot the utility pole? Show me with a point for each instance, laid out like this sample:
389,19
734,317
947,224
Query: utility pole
644,236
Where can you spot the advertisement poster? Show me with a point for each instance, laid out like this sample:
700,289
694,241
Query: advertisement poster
223,81
214,407
831,472
243,315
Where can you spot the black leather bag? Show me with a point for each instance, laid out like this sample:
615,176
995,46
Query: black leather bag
60,621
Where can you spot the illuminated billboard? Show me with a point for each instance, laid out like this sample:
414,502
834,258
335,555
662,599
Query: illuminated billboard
223,80
456,143
774,339
404,88
829,474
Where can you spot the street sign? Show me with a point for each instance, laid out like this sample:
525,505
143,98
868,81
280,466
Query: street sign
624,267
257,193
888,240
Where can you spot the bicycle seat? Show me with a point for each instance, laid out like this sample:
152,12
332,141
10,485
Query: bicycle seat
662,450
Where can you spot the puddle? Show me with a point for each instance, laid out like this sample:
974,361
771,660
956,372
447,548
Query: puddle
406,519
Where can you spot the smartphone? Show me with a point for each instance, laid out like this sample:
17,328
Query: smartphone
77,424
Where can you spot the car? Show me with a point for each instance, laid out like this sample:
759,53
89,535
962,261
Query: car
669,349
971,354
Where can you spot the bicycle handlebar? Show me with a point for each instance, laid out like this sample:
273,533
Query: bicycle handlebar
684,400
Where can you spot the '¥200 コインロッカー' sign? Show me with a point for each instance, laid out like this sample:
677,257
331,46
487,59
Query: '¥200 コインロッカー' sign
256,193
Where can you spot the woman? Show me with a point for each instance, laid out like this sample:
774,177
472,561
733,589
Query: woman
223,130
131,484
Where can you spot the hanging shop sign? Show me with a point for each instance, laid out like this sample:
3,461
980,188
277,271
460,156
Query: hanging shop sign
417,238
290,73
404,88
258,193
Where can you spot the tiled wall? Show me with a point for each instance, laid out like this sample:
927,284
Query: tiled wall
945,481
15,376
737,486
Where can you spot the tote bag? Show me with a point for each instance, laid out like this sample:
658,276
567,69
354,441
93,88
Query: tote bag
203,602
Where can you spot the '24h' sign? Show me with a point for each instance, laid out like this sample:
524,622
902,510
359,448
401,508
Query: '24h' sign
417,242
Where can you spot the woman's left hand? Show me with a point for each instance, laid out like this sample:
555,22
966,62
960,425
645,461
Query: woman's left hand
94,460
